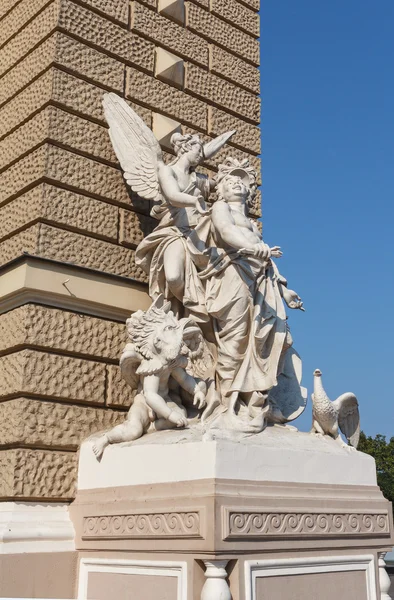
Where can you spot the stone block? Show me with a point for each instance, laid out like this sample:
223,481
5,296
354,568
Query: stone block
16,19
54,86
166,33
55,125
24,41
37,474
66,52
119,392
21,243
231,67
108,36
237,14
164,128
52,425
59,165
173,9
6,6
111,9
219,32
166,99
133,227
61,331
219,91
52,376
247,137
55,205
65,246
169,68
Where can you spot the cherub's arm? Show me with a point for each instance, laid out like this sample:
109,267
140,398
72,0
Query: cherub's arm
170,188
196,388
153,398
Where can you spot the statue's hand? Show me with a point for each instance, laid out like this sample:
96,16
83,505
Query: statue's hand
292,299
201,206
276,252
200,392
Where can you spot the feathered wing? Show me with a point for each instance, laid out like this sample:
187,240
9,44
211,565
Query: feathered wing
135,146
348,417
129,363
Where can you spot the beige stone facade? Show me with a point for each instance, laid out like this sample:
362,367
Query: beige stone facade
68,226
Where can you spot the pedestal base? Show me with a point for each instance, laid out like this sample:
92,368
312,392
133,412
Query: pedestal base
281,515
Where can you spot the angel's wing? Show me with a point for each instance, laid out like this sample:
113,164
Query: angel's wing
348,417
129,363
136,147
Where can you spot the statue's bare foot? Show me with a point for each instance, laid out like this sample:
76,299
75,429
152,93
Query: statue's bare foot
178,419
99,446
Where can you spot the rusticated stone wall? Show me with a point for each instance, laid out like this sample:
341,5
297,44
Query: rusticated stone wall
184,66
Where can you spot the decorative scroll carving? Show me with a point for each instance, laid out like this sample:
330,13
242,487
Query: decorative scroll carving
263,525
140,526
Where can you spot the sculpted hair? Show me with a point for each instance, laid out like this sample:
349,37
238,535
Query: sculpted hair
184,143
141,327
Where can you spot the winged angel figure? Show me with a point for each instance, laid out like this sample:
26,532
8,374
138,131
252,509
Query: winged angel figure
179,195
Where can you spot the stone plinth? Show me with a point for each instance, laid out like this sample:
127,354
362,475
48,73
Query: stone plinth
270,515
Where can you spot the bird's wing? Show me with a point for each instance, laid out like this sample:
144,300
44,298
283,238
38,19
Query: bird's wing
135,146
348,417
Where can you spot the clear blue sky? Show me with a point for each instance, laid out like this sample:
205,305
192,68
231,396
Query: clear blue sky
328,189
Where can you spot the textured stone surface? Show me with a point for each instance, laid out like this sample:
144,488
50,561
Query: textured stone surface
255,208
59,330
118,392
254,4
248,136
53,376
48,203
21,243
108,36
168,34
6,6
237,70
65,246
16,19
53,124
219,32
32,167
133,227
59,165
68,53
29,36
164,98
237,14
38,474
48,424
115,9
222,92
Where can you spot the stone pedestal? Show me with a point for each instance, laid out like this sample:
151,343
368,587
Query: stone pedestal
279,515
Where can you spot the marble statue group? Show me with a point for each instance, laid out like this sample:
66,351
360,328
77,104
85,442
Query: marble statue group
214,350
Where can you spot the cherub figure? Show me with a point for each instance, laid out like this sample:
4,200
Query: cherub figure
158,351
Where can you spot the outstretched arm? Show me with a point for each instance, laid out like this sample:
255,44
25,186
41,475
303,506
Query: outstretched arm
197,389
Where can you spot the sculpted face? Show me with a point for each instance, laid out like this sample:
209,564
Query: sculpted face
233,189
169,338
196,153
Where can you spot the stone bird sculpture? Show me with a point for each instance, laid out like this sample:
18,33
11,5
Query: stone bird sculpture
328,417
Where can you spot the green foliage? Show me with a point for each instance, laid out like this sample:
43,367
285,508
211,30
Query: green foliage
383,453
